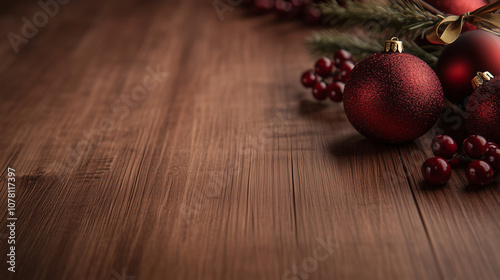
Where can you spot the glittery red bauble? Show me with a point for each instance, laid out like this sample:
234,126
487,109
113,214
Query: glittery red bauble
456,7
460,61
483,111
393,97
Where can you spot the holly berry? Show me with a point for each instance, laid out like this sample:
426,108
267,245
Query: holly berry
345,70
324,67
337,77
475,146
492,145
455,162
312,15
341,56
309,78
444,146
324,81
436,171
319,91
297,3
283,7
263,5
479,173
493,158
335,91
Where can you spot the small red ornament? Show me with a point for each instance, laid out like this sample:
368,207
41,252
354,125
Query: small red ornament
392,96
483,108
460,61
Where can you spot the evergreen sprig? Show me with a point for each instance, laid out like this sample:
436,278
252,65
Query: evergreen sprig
327,42
403,18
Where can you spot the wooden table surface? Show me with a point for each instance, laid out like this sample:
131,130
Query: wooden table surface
151,140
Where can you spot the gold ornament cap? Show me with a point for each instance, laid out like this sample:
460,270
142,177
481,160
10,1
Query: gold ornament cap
480,78
394,45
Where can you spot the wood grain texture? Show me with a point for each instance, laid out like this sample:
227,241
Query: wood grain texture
225,169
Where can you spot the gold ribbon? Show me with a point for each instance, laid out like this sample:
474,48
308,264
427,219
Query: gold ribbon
483,18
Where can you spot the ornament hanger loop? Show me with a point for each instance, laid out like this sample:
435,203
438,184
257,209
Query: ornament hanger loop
480,78
393,45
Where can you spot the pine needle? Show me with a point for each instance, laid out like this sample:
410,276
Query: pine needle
403,18
326,43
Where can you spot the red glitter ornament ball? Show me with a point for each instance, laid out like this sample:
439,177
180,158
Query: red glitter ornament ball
483,111
460,61
393,97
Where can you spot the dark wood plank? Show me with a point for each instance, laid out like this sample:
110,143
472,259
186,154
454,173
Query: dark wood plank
226,169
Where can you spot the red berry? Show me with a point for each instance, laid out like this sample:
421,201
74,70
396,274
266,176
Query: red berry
492,145
319,91
283,7
475,146
436,171
337,77
455,162
493,158
324,67
263,5
309,78
312,15
297,3
345,70
479,173
341,56
335,91
444,146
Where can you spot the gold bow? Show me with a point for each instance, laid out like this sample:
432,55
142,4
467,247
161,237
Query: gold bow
483,18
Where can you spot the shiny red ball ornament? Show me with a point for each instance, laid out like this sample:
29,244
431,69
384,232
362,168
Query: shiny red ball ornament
456,7
483,109
393,97
436,171
460,61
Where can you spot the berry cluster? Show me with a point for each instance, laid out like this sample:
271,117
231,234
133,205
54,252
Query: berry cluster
483,159
302,8
329,77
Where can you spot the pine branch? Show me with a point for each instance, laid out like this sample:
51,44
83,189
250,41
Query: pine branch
404,18
328,42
